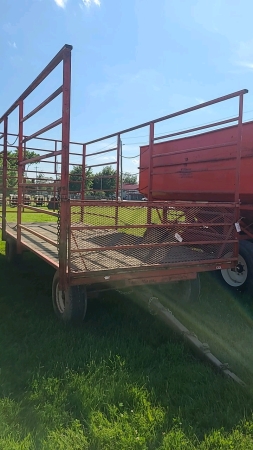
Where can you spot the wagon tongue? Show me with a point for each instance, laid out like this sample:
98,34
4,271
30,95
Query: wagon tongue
202,349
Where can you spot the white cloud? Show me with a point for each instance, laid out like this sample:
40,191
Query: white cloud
8,28
247,65
12,44
200,100
244,55
244,50
88,3
61,3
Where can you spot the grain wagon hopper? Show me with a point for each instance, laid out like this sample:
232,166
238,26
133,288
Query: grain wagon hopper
200,167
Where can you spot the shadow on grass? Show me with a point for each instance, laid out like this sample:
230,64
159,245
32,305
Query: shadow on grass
122,368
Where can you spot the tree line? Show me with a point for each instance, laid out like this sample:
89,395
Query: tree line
101,184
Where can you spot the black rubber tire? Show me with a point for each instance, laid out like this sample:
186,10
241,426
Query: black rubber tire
11,251
246,251
192,292
183,292
75,303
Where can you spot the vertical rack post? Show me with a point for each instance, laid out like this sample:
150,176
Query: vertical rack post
64,206
20,175
4,180
121,170
150,171
83,184
238,169
117,179
239,150
55,171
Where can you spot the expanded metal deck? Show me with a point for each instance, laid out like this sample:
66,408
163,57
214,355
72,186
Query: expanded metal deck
100,260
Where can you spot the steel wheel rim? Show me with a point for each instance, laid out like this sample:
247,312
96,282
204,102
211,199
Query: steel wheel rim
60,301
234,278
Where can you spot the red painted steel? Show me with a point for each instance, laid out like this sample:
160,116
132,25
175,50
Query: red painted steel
48,69
4,179
38,210
43,104
20,175
89,226
170,116
208,175
118,169
83,182
191,130
39,235
158,245
146,276
64,190
43,130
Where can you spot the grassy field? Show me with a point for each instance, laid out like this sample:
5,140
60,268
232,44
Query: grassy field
97,215
122,380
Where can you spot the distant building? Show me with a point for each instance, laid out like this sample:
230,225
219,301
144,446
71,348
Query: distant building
131,192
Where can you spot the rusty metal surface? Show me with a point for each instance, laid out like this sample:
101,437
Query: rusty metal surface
64,216
20,173
112,235
176,114
38,80
212,166
190,233
4,177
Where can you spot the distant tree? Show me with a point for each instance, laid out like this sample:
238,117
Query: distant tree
129,178
12,167
75,179
105,181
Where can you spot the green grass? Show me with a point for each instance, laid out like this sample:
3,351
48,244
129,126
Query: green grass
100,215
28,216
121,381
221,318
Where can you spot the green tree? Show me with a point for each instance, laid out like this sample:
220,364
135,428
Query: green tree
12,167
75,179
105,181
129,178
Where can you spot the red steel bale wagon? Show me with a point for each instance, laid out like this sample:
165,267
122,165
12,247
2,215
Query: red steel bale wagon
96,245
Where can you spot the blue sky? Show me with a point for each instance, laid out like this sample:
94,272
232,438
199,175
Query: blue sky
132,60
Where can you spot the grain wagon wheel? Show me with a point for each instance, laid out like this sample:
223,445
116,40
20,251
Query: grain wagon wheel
69,306
241,278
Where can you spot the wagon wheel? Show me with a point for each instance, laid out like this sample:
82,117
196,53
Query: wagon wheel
69,306
181,292
11,251
241,277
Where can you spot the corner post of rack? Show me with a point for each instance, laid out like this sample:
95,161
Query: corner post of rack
64,204
4,180
20,174
238,169
150,168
